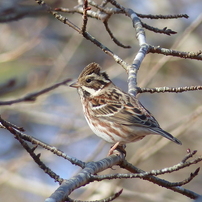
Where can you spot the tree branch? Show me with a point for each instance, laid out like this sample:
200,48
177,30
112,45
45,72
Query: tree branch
169,89
126,165
15,131
32,96
108,199
167,52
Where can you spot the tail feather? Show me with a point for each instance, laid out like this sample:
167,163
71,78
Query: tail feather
166,135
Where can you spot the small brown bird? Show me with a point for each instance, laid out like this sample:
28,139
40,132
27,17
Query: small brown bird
112,114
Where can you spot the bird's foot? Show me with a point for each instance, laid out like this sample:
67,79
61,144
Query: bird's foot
117,147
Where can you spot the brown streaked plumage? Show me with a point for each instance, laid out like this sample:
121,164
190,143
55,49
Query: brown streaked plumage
112,114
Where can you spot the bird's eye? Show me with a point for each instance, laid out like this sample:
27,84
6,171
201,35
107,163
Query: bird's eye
88,80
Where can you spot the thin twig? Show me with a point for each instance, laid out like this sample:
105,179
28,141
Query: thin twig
37,160
160,182
144,174
58,16
86,35
32,96
113,37
157,30
185,181
149,16
85,18
189,155
104,3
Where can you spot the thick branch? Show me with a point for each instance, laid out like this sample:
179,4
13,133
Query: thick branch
108,199
169,89
84,177
133,69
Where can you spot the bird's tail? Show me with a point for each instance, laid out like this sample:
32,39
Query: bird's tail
166,135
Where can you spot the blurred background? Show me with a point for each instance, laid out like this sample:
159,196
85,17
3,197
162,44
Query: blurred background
38,51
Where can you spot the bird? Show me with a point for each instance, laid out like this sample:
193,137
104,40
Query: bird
112,114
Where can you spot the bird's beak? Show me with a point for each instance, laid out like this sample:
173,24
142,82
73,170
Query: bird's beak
75,85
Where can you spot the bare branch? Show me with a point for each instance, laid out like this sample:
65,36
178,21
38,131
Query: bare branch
90,13
58,16
161,182
15,131
111,198
144,175
14,10
133,69
85,34
36,158
164,51
189,155
91,168
157,30
87,175
85,18
169,89
113,2
32,96
104,3
186,181
112,36
162,16
84,177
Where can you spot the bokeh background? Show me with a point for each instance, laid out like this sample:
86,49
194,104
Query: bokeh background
38,51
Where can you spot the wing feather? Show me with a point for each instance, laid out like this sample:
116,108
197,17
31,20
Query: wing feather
123,110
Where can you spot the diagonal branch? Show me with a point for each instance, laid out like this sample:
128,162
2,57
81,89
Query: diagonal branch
58,16
37,160
35,141
113,37
32,96
87,175
85,34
